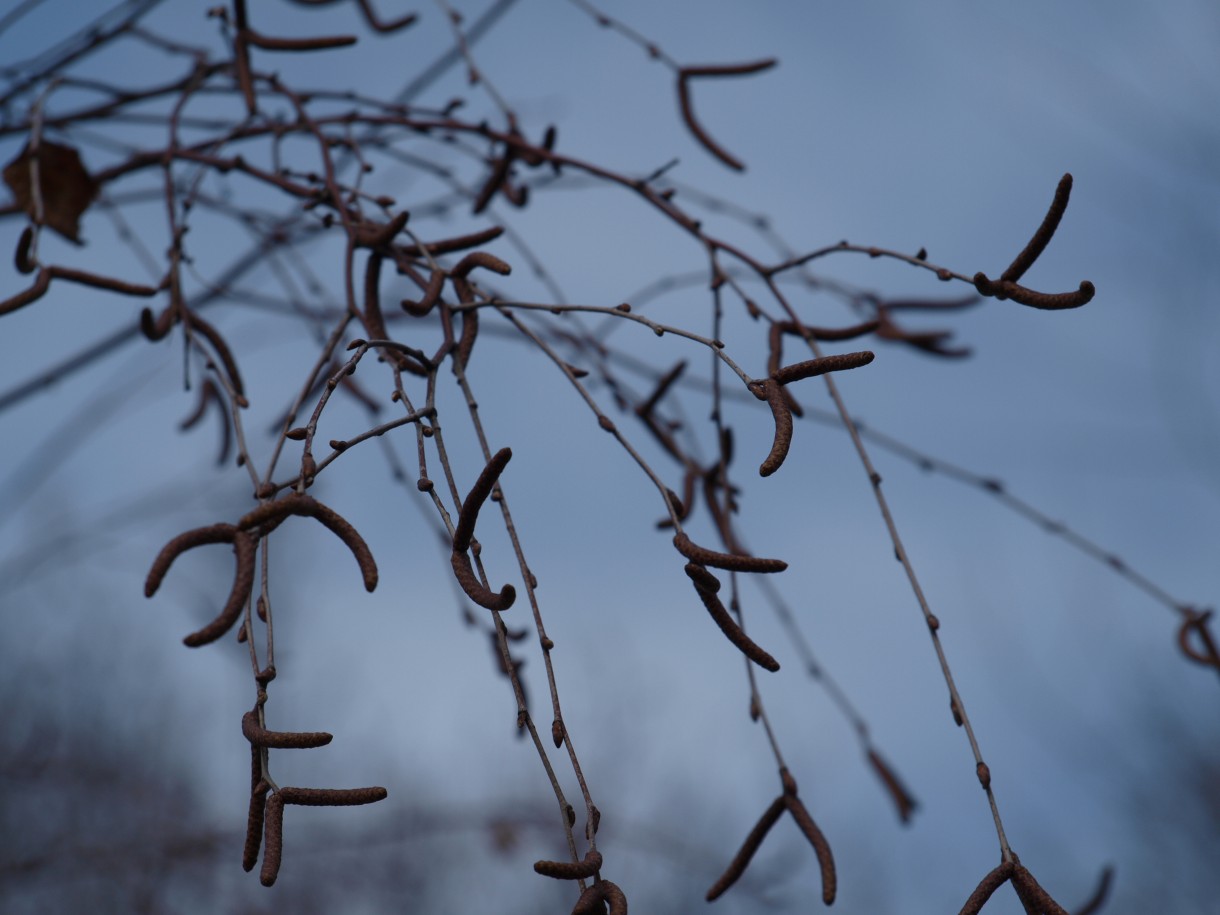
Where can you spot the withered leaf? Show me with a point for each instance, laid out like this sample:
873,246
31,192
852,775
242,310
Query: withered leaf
66,187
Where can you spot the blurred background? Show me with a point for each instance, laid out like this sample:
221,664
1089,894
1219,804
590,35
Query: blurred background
123,772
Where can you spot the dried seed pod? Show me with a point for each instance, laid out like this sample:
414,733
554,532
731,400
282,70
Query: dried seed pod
730,562
273,839
741,860
821,848
571,870
988,885
281,740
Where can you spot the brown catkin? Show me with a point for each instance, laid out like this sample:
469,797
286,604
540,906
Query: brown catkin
244,549
733,632
479,492
270,515
1046,301
273,839
21,258
449,245
702,578
1042,237
897,791
463,571
332,797
432,295
821,847
1031,894
781,412
571,870
988,885
820,366
281,740
741,860
730,562
254,825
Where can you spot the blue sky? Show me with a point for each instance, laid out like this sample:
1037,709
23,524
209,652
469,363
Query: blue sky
943,125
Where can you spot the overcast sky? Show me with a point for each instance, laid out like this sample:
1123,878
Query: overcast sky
942,125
